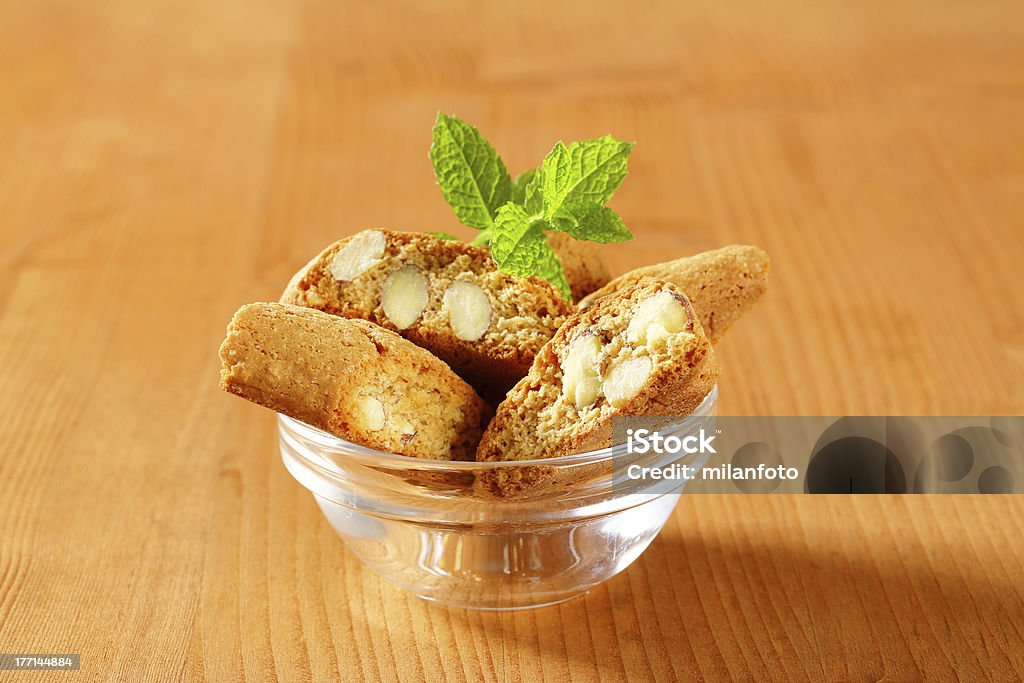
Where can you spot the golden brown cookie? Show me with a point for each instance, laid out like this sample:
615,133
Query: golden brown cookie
584,269
640,351
351,378
444,295
722,284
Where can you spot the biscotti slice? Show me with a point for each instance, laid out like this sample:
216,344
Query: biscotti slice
444,295
353,379
722,284
584,269
640,351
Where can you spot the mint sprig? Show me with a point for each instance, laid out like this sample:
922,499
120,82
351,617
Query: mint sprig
567,193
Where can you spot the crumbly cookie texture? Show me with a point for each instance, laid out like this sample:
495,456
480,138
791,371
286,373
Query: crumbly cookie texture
582,264
353,379
722,284
446,296
640,351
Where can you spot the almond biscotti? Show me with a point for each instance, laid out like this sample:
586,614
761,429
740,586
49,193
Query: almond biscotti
639,351
722,284
353,379
444,295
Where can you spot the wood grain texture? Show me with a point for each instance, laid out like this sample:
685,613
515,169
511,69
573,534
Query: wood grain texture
165,161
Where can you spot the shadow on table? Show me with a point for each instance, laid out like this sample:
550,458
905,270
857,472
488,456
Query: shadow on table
743,607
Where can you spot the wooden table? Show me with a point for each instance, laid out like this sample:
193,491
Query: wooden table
164,162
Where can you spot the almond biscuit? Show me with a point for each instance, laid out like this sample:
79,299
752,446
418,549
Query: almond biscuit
722,284
639,351
446,296
353,379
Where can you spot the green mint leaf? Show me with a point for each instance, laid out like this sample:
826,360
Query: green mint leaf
555,181
519,186
473,178
519,247
534,198
587,171
444,236
513,240
590,221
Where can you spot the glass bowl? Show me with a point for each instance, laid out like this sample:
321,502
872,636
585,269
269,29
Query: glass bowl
444,531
